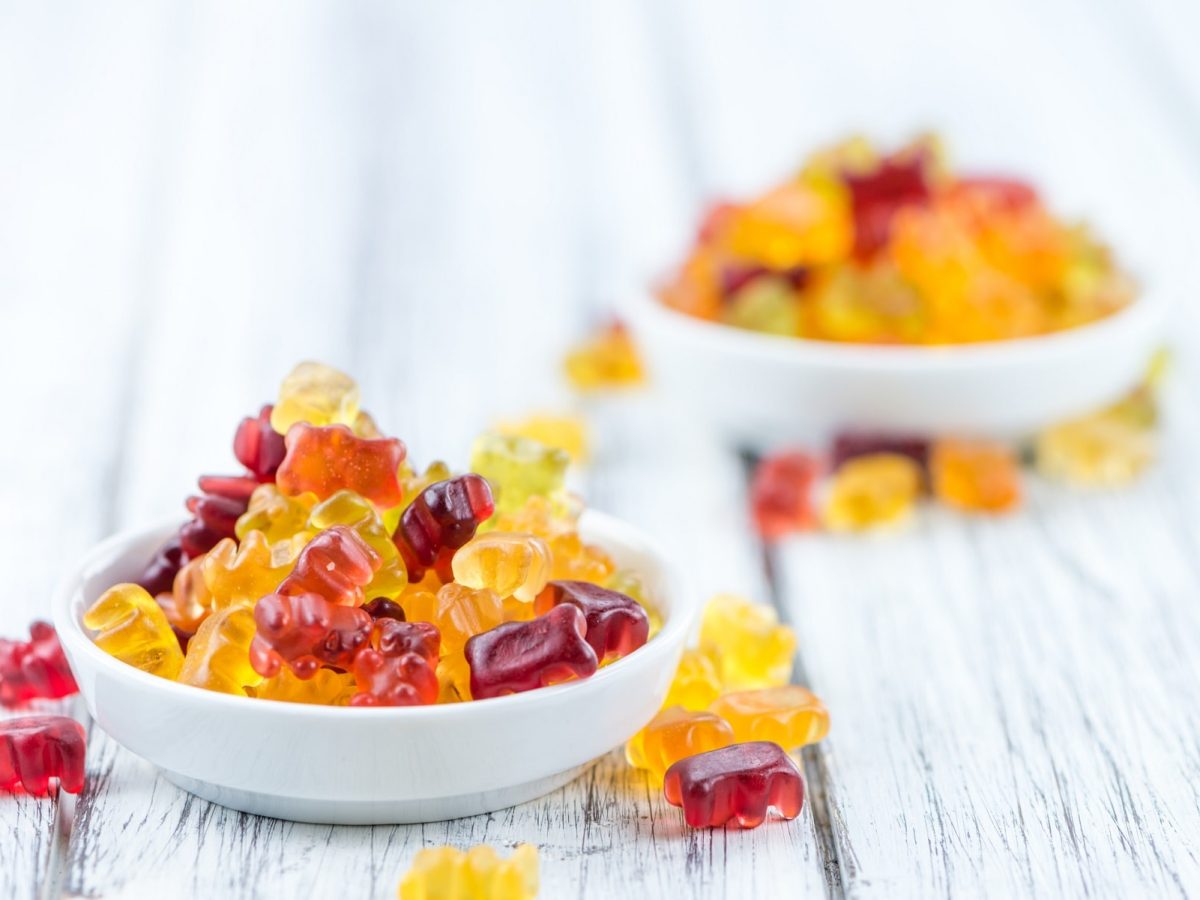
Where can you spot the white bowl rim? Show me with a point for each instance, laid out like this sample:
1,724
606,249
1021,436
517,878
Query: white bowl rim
1145,312
681,609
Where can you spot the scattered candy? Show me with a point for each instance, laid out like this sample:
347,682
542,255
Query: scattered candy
975,476
1109,448
36,749
35,669
750,647
606,361
446,873
852,444
674,734
565,432
887,249
789,715
739,782
697,681
872,491
780,494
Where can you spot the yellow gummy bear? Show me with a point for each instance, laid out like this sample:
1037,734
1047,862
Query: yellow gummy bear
458,611
1108,448
218,654
672,735
326,688
349,508
454,678
609,359
446,873
697,681
629,583
566,432
238,575
518,468
870,491
747,642
317,394
512,565
131,626
275,514
789,715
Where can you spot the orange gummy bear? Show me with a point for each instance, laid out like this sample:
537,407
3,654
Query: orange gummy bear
330,459
977,476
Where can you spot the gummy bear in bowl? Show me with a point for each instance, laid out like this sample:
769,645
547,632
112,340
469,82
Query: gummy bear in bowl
887,291
335,636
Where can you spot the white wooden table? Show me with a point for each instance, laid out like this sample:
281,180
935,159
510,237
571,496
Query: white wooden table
194,196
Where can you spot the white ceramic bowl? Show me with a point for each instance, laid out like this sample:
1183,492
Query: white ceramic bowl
371,765
764,390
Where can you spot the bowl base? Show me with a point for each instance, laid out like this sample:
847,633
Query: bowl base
373,812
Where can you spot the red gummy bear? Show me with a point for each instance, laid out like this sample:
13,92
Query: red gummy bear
34,749
306,631
876,197
383,608
396,638
616,624
781,494
34,669
521,656
736,782
848,445
330,459
159,574
258,446
336,564
441,519
405,680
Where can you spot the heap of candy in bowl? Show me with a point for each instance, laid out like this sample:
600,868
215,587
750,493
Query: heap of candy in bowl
333,572
859,246
870,481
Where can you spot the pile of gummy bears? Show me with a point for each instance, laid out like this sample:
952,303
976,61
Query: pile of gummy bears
864,247
871,481
332,572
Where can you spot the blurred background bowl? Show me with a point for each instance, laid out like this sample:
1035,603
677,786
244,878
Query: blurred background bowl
761,390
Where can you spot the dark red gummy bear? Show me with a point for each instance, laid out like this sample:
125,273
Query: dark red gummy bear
405,680
736,782
848,445
392,638
215,512
34,749
258,446
781,494
383,608
616,624
306,631
336,564
34,669
876,197
159,574
441,519
521,656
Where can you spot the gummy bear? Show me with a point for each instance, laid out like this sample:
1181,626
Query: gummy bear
780,494
747,642
348,508
190,601
336,564
521,656
565,432
852,444
516,565
306,631
325,460
238,574
218,654
672,735
788,715
383,608
34,669
607,360
442,518
215,512
876,196
396,638
739,782
518,469
35,749
1108,448
454,678
976,476
697,681
317,395
325,688
445,873
404,680
275,514
258,446
458,612
156,578
872,491
133,628
616,624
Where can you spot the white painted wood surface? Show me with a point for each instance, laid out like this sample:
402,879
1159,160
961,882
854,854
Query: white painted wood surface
194,196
